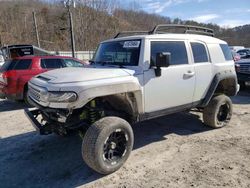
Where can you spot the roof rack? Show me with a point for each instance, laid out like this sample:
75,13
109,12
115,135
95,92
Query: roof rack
188,29
170,28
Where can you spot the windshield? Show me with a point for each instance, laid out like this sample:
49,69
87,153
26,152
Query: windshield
118,53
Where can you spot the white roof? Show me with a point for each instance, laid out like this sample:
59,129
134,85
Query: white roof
202,38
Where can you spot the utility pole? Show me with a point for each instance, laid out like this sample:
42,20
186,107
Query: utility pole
35,26
68,4
1,43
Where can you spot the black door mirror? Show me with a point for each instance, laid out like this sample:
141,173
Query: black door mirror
163,59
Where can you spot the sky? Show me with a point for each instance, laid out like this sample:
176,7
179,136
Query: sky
226,13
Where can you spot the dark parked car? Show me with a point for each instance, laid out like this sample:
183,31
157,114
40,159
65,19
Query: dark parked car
15,74
243,71
244,53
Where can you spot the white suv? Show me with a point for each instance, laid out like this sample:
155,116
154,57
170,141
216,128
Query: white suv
135,78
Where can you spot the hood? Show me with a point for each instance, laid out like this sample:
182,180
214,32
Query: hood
67,75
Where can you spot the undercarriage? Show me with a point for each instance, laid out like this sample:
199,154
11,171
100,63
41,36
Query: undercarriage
62,121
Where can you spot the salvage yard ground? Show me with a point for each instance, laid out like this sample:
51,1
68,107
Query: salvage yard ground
172,151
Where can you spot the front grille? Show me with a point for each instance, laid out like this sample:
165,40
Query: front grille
34,93
244,68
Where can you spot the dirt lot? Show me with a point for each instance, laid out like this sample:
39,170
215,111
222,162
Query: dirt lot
172,151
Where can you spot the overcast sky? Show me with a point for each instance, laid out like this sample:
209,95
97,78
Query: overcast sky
226,13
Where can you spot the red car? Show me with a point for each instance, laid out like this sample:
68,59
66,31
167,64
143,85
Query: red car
15,74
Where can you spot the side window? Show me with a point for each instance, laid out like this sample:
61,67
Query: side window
227,52
23,64
51,63
8,65
72,63
177,49
199,52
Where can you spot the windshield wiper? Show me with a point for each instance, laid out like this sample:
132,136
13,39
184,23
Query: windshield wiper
98,62
103,63
120,65
92,62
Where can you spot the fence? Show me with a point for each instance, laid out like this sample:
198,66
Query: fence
83,55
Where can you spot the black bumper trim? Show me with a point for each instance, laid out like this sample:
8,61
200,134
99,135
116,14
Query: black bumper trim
243,77
30,114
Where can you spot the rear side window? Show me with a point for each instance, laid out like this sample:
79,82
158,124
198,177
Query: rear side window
199,52
16,65
177,49
51,63
8,65
23,64
227,52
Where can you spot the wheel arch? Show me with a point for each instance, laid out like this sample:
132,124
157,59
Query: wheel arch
25,88
129,102
129,93
223,82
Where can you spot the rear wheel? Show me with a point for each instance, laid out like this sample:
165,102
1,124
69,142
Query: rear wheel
218,112
107,144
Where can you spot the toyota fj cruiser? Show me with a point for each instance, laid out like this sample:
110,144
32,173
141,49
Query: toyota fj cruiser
135,77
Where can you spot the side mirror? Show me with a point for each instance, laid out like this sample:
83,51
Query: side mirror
162,60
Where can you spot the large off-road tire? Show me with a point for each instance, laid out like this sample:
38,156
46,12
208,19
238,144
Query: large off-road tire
218,112
107,144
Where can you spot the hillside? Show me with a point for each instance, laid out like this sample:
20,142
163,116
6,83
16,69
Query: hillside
94,21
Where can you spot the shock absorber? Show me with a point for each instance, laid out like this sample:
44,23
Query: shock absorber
92,111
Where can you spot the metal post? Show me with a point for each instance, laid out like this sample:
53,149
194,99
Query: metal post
35,26
1,43
71,32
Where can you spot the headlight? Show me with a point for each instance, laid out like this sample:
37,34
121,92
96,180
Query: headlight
62,97
237,67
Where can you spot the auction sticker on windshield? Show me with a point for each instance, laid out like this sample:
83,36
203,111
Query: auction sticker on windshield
131,44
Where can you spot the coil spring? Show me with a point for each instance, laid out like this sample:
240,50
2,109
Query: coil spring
92,112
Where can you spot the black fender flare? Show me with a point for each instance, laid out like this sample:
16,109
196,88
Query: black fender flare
218,78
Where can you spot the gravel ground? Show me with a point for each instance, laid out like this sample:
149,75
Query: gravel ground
172,151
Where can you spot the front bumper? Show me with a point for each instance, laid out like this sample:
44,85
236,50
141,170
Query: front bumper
2,94
31,114
243,77
5,93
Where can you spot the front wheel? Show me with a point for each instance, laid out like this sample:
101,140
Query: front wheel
218,112
107,144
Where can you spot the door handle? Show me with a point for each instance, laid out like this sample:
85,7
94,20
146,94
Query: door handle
188,74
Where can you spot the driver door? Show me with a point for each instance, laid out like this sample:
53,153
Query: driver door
174,89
